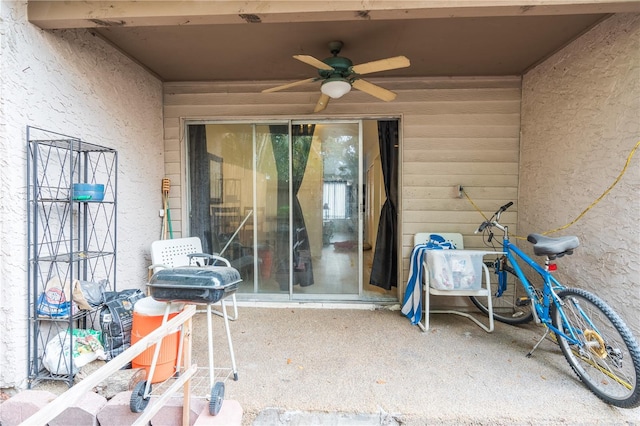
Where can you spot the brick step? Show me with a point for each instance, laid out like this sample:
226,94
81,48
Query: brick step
94,409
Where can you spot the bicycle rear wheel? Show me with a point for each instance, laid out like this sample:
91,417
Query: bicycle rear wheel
505,307
607,360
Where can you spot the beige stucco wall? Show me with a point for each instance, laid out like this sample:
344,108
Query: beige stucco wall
580,121
73,83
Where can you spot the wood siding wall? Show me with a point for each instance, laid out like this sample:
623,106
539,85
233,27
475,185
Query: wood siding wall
454,131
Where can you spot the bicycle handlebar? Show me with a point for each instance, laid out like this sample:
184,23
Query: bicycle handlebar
503,208
482,226
496,215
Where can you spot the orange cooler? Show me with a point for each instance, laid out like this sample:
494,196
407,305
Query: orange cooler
147,316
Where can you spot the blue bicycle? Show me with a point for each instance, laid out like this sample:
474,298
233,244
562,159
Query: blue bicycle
594,339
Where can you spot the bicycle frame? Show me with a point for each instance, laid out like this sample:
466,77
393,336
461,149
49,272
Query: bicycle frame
541,305
607,357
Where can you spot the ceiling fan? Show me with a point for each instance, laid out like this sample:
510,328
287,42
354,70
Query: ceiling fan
339,75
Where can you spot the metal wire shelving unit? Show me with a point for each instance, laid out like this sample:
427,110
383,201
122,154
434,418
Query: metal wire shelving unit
70,239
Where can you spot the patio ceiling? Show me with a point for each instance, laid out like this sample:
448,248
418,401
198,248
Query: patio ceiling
207,41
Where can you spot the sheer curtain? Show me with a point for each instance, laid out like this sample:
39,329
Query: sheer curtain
301,138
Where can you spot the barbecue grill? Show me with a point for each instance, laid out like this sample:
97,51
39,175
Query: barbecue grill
200,285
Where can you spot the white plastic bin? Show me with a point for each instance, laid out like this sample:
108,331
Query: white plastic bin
455,269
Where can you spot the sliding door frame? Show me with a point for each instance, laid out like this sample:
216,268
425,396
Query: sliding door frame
290,296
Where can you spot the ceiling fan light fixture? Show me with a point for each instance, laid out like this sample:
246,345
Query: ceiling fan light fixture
335,87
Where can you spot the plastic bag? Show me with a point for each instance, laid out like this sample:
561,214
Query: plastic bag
58,355
55,300
94,292
116,320
89,294
50,306
87,347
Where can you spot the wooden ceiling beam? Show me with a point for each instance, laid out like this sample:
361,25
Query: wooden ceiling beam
54,14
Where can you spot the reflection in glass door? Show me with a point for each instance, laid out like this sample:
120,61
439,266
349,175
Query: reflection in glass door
281,201
222,192
272,204
325,182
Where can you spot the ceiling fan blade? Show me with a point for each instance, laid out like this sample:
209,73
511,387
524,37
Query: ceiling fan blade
286,86
381,65
373,90
322,103
316,63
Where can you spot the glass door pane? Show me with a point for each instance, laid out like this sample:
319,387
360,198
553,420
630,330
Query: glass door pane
221,192
231,211
272,208
325,182
281,202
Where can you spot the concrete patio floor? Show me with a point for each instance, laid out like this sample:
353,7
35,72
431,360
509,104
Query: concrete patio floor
354,366
301,365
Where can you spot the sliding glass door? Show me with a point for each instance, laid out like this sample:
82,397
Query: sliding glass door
326,182
282,201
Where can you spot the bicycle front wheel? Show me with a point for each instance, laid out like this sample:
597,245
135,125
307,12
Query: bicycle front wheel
607,356
505,308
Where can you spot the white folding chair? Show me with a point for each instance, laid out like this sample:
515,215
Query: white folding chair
457,241
178,252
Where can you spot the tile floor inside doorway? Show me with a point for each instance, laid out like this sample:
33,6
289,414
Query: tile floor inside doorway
335,272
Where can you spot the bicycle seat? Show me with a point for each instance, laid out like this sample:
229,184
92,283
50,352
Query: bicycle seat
552,247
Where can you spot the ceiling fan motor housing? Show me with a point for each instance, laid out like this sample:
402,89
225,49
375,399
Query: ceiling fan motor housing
341,67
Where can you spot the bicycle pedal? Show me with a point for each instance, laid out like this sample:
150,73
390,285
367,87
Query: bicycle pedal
523,301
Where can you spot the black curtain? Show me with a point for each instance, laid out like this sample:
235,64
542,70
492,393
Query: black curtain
384,272
200,186
301,145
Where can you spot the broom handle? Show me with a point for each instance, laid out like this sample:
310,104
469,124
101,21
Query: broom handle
235,233
166,186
